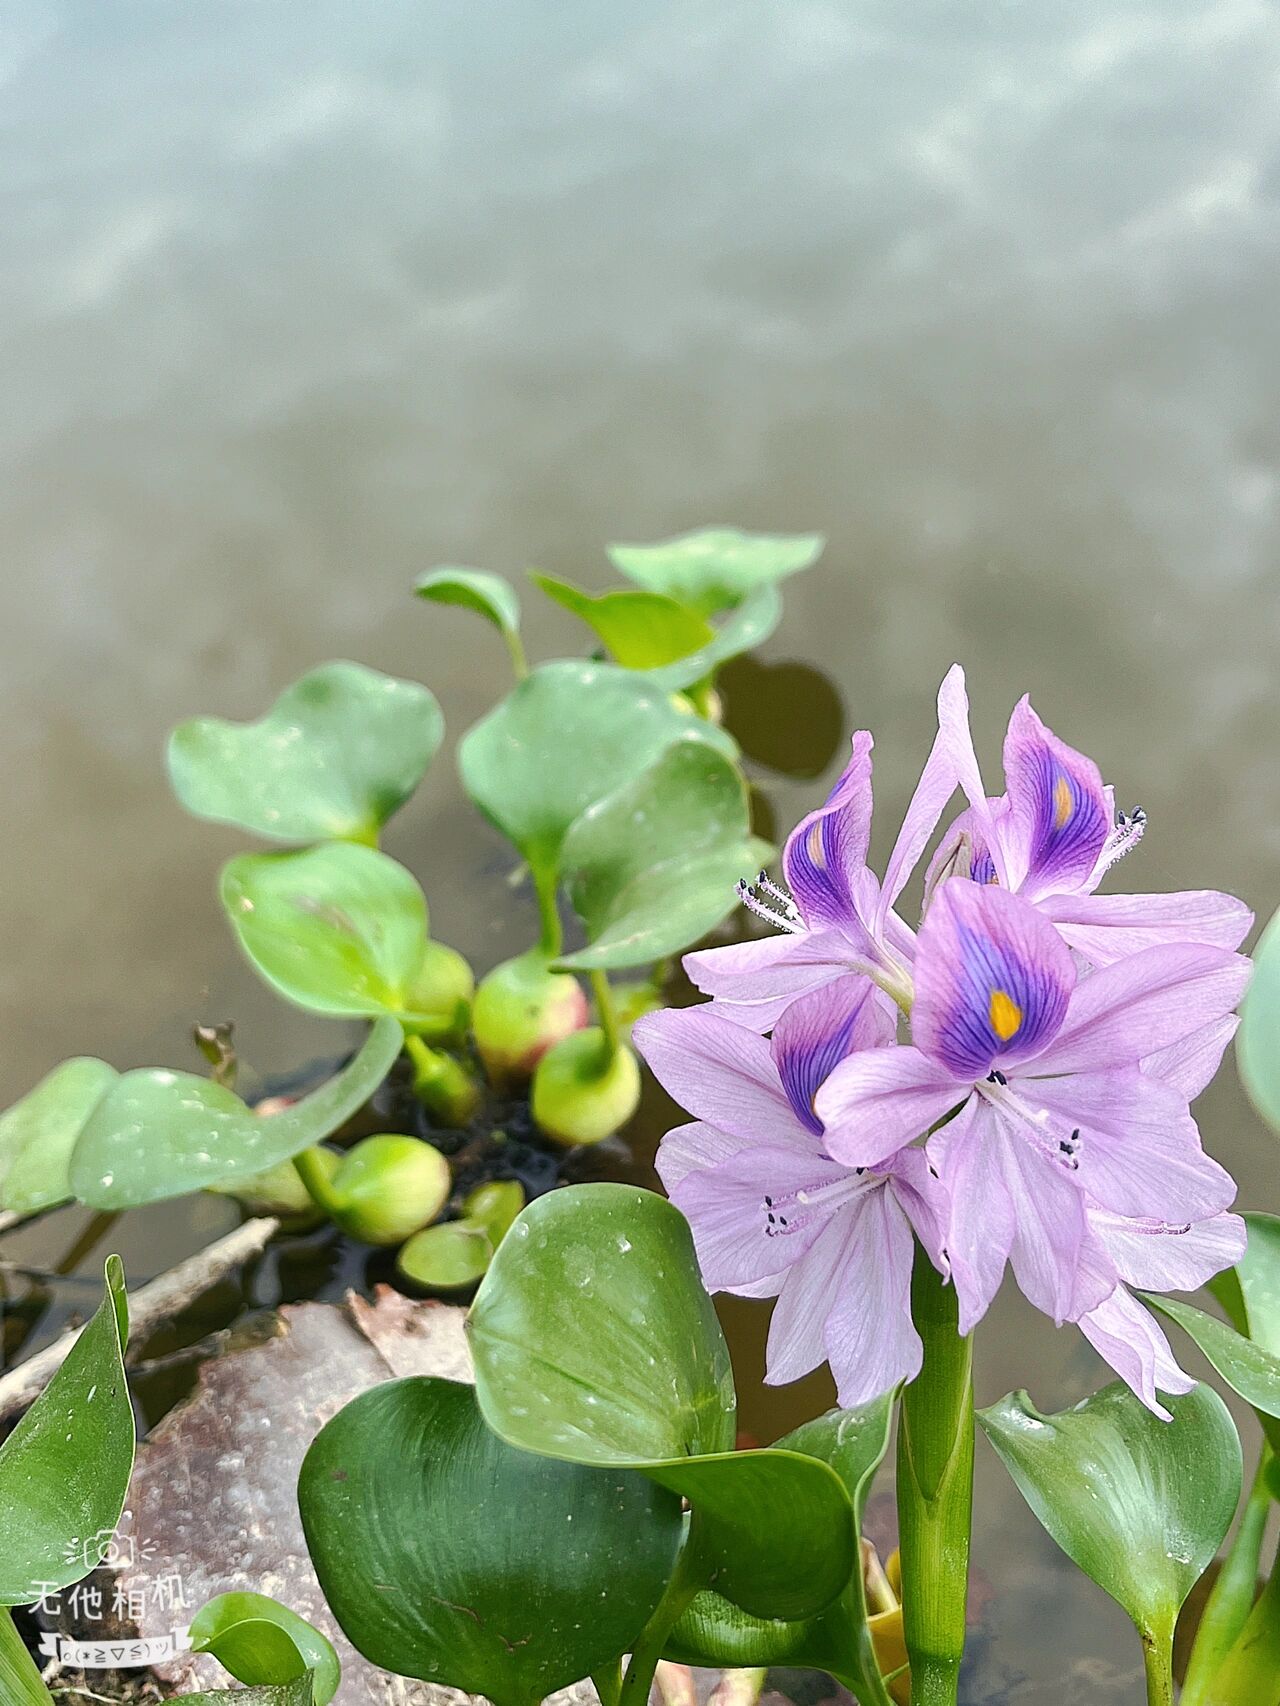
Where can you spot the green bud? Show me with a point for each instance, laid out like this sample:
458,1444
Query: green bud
387,1187
634,1000
446,1257
521,1009
493,1206
582,1091
442,1084
443,989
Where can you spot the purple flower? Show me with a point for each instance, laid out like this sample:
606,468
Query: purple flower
772,1214
1054,835
1032,1083
1155,1256
838,922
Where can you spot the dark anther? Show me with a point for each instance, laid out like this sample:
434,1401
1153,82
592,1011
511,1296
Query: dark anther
996,1078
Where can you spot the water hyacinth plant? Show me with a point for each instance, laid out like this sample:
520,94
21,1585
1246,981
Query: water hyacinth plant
617,788
885,1116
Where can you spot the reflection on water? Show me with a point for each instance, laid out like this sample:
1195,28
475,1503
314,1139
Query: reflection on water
298,300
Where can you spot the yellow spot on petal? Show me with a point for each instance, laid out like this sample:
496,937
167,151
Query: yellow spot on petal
1006,1015
816,850
1061,802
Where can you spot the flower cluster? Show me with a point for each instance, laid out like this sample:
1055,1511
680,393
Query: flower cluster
1007,1085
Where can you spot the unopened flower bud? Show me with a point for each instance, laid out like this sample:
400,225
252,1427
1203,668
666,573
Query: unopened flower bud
583,1091
389,1186
521,1009
442,992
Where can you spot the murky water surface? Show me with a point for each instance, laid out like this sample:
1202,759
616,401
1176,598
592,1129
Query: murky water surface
298,300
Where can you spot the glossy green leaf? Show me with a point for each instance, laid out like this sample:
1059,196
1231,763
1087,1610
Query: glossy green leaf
750,624
158,1134
486,594
565,737
594,1341
655,865
20,1681
299,1692
640,630
1258,1040
1139,1504
714,568
446,1555
337,929
334,757
38,1134
261,1641
716,1632
1248,1368
65,1468
1253,1286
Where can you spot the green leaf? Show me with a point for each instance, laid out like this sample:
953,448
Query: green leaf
446,1555
20,1681
594,1341
1258,1040
336,755
1256,1278
1139,1504
753,622
65,1468
1248,1368
295,1693
38,1134
716,1632
158,1134
654,865
446,1257
641,630
338,930
261,1641
486,594
715,568
569,734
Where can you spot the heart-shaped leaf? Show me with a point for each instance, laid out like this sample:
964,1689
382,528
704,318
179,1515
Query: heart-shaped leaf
594,1341
65,1468
1139,1504
1258,1040
261,1642
486,594
653,866
158,1134
447,1555
569,734
1248,1368
336,929
38,1134
334,757
715,568
640,630
750,624
715,1632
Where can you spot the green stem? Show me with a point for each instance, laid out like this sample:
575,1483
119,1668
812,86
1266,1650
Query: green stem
1250,1673
1157,1658
688,1579
608,1683
519,662
310,1169
1228,1606
20,1681
552,939
935,1491
441,1083
607,1012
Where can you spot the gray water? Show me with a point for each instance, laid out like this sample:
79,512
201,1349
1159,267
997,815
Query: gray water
299,300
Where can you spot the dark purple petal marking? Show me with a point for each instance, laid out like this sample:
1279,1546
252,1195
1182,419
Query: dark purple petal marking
993,980
827,850
1058,805
816,1033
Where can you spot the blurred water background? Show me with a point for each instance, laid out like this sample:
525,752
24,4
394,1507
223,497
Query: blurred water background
299,300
